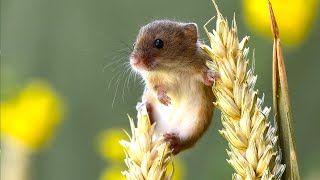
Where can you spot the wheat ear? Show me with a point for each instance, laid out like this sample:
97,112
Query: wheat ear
253,153
146,159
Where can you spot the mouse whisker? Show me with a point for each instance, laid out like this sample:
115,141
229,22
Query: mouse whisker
130,76
116,74
127,45
128,66
124,84
135,77
119,67
117,86
113,77
125,51
112,63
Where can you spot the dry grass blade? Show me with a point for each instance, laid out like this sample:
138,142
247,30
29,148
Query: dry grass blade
281,104
253,153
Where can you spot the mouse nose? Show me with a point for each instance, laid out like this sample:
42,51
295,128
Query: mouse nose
137,62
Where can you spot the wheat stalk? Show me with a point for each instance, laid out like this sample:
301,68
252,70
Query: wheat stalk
146,159
253,153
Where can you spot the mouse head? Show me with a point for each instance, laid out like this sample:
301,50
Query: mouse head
164,45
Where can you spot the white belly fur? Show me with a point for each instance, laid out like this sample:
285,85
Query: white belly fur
182,114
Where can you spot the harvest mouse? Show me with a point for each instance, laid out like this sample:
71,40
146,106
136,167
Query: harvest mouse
178,93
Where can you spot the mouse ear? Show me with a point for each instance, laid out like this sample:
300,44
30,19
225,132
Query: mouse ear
191,30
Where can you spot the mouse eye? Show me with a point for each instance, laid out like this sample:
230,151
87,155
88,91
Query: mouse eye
158,43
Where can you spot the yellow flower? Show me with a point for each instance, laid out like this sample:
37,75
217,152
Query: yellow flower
294,17
31,117
112,173
109,144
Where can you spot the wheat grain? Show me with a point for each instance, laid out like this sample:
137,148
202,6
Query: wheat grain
146,159
253,153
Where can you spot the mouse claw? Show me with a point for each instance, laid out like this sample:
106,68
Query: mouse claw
164,98
210,77
174,141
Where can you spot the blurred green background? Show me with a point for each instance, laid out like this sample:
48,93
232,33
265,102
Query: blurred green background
69,43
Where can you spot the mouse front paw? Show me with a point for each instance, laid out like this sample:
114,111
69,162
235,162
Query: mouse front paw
163,97
174,141
209,77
